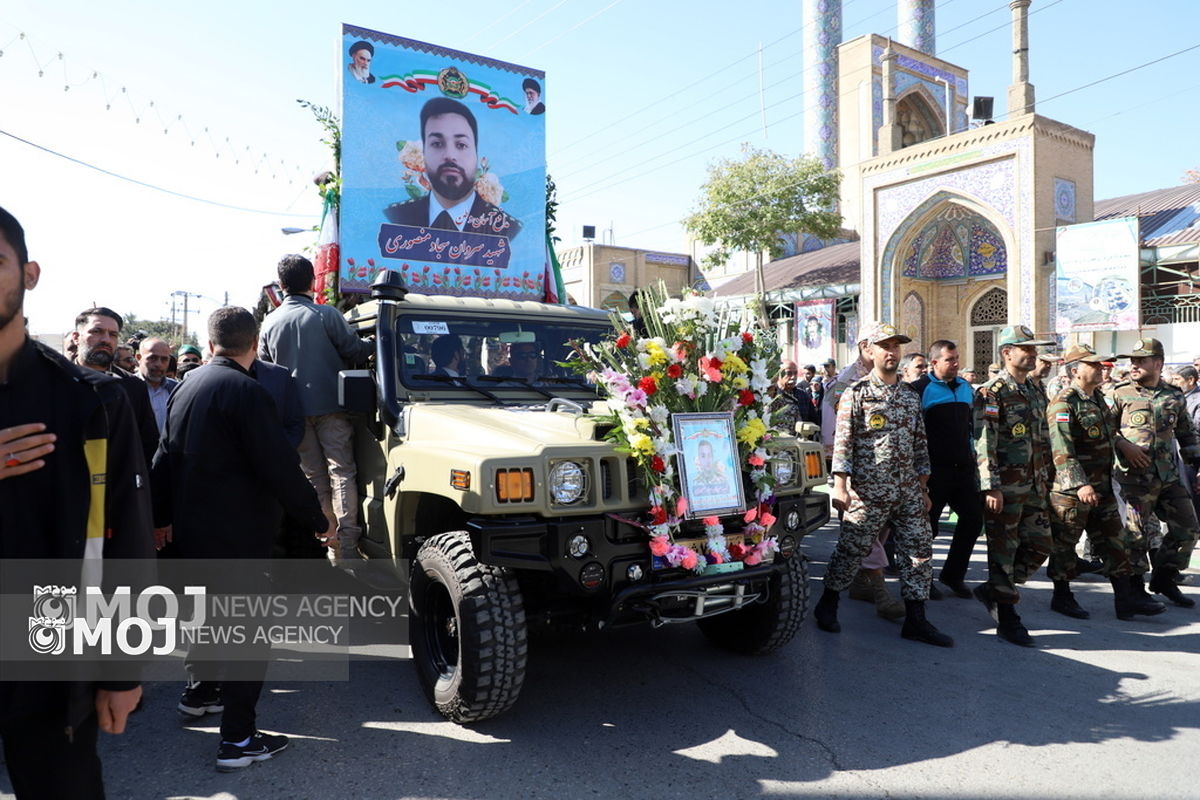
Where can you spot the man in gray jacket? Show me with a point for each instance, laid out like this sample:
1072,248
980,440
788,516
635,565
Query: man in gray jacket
314,342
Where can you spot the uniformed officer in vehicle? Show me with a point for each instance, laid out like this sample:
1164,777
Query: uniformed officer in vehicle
880,468
1152,415
1013,449
1082,432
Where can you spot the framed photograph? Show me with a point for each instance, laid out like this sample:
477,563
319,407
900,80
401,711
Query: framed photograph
709,473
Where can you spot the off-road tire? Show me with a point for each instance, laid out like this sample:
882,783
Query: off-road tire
765,627
467,630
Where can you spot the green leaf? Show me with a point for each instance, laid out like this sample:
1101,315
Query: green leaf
414,191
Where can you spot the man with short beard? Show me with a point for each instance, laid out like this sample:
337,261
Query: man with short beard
1013,453
450,137
154,355
880,467
1152,416
96,334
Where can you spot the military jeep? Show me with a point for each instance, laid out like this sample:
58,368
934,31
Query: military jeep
496,496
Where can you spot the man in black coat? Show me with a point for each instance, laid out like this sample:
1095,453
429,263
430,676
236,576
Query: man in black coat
96,336
222,476
68,448
449,136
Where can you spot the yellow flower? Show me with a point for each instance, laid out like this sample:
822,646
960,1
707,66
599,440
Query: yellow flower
752,431
657,354
642,443
733,363
740,383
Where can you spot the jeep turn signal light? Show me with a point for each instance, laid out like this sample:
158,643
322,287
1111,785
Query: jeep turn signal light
514,485
460,479
813,466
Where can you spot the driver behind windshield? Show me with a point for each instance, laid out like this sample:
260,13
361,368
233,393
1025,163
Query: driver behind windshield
449,356
523,360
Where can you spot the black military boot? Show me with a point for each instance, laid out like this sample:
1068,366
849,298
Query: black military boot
983,593
825,612
1064,601
1010,628
1162,581
1130,598
919,629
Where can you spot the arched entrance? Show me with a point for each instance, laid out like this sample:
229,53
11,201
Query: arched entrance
988,315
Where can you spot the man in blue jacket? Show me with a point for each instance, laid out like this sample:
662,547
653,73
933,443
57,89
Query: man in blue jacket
947,403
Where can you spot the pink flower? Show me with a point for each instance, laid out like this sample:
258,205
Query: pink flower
689,560
754,460
712,521
636,399
681,507
659,545
767,519
711,368
716,558
750,515
752,559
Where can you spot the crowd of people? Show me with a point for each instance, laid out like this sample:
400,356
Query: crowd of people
1033,459
143,439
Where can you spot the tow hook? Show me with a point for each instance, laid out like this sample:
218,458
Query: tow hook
393,482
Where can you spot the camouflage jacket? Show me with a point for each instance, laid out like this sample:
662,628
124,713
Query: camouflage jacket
1152,418
1012,441
880,438
1081,439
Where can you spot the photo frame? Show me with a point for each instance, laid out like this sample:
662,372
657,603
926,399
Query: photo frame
710,475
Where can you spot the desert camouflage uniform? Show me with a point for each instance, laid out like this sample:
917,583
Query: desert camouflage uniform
880,444
1013,448
1153,418
1081,438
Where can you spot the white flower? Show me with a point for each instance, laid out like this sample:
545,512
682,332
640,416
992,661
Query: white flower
659,414
686,387
644,361
701,389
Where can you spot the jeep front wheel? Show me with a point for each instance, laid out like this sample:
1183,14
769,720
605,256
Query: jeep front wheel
765,627
467,630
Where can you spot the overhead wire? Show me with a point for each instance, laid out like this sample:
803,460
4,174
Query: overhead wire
574,27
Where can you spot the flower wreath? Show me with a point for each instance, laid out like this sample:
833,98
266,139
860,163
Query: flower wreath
687,355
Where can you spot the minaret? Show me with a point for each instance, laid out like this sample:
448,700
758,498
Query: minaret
916,28
822,35
1020,93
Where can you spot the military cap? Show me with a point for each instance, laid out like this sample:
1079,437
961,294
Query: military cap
1144,347
876,332
829,362
1020,335
1082,352
1053,358
189,348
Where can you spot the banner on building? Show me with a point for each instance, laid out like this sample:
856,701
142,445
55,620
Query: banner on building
443,169
1097,276
816,333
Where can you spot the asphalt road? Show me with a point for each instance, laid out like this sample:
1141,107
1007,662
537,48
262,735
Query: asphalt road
1101,708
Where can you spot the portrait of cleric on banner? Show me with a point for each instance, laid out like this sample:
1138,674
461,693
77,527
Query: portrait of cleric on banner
443,172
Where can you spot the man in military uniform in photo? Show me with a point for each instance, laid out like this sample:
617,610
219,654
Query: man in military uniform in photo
1151,415
1082,432
880,467
1013,449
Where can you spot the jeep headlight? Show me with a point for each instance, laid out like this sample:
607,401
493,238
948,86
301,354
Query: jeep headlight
567,482
783,465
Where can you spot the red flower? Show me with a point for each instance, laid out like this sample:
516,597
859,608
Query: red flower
737,551
658,515
711,367
659,545
745,397
674,371
648,385
623,340
747,337
657,464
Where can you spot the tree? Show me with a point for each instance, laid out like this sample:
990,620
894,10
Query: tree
551,209
747,203
158,329
1192,176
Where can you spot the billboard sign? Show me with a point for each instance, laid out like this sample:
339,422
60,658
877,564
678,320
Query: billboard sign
815,332
443,169
1097,276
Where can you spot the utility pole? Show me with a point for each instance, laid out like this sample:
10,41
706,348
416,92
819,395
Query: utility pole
186,311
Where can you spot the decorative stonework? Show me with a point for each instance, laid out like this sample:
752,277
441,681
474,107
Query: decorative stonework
823,26
954,245
912,322
916,25
1064,200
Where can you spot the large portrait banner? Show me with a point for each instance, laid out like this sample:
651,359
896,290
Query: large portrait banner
443,169
816,336
1098,281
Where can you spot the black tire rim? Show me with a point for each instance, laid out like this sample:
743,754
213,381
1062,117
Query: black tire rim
441,632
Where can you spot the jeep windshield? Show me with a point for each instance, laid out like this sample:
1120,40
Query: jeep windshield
494,354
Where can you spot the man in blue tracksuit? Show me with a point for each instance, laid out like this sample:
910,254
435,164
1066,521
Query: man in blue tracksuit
947,404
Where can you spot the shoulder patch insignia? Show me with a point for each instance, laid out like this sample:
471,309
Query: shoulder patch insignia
1062,416
876,422
997,386
1139,418
1018,430
991,411
1094,432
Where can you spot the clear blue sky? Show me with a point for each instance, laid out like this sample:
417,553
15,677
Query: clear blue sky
679,79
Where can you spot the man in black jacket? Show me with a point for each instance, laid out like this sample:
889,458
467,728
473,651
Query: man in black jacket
67,444
96,335
947,404
224,440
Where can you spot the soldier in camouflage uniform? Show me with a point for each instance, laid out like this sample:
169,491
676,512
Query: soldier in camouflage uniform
1082,431
1013,447
1152,415
880,466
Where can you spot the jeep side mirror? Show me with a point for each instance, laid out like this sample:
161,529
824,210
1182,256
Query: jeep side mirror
356,391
